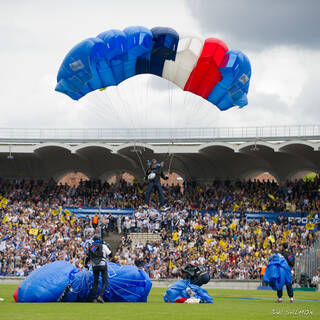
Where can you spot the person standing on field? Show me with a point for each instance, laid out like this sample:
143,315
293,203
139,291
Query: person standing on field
98,253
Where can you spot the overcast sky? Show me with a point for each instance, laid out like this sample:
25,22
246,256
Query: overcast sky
280,37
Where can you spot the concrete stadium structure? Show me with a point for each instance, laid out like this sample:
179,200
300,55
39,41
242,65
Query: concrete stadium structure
205,154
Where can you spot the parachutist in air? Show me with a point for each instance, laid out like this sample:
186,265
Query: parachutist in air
153,175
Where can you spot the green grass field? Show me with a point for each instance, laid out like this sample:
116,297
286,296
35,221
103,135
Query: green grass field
222,308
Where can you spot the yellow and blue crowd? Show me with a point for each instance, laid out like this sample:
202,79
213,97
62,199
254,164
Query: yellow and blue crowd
202,225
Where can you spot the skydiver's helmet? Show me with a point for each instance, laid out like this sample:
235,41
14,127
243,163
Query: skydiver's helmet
96,237
153,163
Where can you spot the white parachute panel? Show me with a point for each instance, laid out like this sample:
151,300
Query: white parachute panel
188,53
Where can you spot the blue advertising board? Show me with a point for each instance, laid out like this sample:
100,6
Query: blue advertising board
301,218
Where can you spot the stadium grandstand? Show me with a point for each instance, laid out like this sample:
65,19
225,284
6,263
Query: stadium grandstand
217,214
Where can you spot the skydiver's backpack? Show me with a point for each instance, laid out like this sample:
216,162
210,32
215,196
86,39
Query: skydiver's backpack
200,270
95,252
202,276
189,272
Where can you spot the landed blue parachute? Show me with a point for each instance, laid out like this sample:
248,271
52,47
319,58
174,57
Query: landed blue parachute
178,291
63,282
204,67
278,272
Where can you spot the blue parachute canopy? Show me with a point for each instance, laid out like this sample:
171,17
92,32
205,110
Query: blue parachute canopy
80,70
117,44
127,284
47,283
61,281
278,272
139,47
165,44
179,290
204,67
233,88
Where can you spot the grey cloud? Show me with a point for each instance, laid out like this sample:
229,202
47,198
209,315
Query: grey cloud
258,24
263,110
307,106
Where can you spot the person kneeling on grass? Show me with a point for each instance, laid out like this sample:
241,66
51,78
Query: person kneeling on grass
97,254
197,275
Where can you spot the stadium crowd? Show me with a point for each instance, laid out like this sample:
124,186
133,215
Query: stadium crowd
246,196
35,230
228,246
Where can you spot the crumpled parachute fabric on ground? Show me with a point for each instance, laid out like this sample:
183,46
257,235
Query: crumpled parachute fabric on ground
180,292
61,281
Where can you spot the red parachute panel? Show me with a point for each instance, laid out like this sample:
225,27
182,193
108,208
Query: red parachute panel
206,74
15,295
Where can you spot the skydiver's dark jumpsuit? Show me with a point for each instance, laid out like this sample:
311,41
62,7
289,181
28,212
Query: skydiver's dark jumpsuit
99,266
289,256
197,275
155,183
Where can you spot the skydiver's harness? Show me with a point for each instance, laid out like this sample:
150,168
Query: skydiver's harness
156,171
200,271
169,157
195,272
95,252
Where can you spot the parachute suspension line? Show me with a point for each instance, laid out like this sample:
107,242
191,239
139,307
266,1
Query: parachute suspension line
129,108
148,106
114,109
170,163
96,110
195,108
117,108
166,157
192,103
140,159
171,104
101,106
139,101
190,109
125,104
98,104
139,104
170,157
199,110
185,105
146,102
102,110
